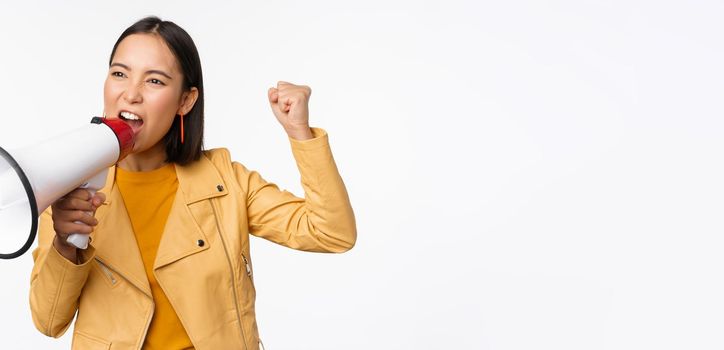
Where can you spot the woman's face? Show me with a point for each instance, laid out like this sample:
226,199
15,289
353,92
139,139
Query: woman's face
144,83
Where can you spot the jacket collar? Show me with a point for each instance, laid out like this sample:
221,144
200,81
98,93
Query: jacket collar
197,181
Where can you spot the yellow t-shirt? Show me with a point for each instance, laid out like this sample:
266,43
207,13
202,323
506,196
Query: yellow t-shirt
148,197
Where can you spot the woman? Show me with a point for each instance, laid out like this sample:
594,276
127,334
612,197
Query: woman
169,265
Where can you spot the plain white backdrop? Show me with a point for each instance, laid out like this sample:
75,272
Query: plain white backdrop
525,174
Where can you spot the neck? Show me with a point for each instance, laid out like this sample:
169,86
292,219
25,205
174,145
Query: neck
150,159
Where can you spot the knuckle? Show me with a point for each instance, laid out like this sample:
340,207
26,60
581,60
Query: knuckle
78,215
87,217
59,215
79,193
79,204
61,229
78,228
70,203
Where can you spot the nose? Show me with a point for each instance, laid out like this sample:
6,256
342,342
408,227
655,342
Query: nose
132,94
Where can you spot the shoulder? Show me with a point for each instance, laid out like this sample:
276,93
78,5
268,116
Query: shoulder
216,155
222,160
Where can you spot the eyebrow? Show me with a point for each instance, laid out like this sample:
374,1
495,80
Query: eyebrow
147,72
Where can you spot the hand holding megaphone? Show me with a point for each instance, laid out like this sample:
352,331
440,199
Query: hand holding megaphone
73,220
80,240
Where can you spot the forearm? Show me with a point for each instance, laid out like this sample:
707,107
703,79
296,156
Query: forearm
322,221
56,281
329,214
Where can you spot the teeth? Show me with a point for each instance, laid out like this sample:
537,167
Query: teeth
130,116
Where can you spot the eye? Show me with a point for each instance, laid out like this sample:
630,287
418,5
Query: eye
156,81
118,74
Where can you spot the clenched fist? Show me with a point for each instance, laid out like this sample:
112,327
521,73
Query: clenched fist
74,214
290,104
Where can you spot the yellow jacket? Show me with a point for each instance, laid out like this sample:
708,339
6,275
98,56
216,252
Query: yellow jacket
203,262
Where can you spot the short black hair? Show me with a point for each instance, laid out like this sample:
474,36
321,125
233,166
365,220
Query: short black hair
184,49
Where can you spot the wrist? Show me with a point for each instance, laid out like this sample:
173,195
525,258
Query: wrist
300,133
68,251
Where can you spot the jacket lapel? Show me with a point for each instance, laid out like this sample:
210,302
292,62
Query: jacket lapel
191,214
116,244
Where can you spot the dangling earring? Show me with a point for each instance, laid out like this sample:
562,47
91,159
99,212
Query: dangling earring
182,128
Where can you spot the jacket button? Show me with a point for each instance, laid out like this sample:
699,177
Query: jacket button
220,188
200,242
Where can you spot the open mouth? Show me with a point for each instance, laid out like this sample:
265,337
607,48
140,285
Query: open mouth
133,120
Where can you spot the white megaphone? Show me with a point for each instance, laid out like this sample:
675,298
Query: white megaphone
34,177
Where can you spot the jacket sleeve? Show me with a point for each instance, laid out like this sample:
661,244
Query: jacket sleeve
322,221
55,282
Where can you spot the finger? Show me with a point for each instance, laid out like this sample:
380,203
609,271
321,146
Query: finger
281,82
284,103
76,215
273,95
273,102
98,199
299,98
74,204
80,193
65,229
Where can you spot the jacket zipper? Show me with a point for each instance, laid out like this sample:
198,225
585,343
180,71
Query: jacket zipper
108,270
246,262
231,269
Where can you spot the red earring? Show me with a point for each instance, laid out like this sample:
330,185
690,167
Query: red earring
182,128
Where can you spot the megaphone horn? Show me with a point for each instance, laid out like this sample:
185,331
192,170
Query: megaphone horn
34,177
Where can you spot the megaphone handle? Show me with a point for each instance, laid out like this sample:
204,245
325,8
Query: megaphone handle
80,240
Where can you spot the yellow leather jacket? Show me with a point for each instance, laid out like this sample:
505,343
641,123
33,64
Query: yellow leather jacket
203,262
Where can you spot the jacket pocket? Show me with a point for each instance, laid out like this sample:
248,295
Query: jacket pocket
106,272
82,341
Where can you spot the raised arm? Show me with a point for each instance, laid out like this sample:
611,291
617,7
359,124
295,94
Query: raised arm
322,221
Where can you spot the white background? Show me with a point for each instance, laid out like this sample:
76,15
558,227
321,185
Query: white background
525,174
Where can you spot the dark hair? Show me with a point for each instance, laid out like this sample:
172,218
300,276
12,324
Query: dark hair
184,49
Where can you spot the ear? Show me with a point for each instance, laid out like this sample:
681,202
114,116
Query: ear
188,99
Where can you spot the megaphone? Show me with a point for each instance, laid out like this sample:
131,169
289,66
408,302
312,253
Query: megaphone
34,177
